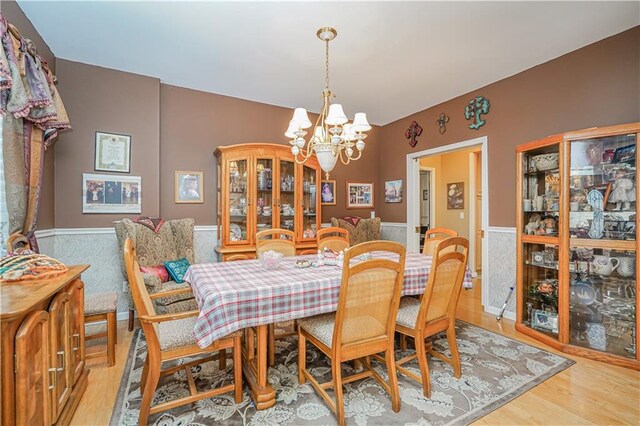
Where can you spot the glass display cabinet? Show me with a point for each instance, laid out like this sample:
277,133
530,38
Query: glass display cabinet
260,186
576,243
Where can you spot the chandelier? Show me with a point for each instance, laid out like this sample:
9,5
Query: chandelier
333,136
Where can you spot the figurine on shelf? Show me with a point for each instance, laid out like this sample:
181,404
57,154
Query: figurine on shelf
534,223
624,191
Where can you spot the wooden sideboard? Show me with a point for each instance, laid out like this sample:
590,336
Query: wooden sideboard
42,362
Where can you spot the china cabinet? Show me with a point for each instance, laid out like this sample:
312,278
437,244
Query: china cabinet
577,259
260,186
43,349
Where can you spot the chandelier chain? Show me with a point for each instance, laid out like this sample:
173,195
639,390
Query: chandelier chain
326,82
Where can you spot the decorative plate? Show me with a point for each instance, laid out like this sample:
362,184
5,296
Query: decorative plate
583,293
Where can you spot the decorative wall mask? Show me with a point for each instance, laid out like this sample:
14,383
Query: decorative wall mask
476,107
412,133
442,123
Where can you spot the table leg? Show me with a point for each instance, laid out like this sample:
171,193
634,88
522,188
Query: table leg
255,370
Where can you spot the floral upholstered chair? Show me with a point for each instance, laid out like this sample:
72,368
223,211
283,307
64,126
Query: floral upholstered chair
173,240
360,230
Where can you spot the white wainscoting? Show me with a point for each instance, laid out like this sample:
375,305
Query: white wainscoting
98,248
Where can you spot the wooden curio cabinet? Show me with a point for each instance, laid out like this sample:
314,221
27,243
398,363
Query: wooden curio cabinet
577,248
260,186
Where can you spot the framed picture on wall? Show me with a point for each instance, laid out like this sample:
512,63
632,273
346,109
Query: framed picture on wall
328,192
113,153
359,195
111,194
393,191
455,196
188,187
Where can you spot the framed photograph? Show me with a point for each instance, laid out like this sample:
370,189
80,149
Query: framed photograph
113,153
626,154
393,191
328,192
189,187
455,196
111,194
359,195
544,320
425,195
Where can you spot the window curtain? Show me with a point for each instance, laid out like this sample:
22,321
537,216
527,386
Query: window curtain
33,114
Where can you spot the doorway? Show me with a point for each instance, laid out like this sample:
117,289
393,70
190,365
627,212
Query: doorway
427,203
460,169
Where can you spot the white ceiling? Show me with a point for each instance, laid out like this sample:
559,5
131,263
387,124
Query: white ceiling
389,60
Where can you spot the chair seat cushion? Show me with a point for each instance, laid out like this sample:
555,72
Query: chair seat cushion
179,333
408,311
100,303
320,327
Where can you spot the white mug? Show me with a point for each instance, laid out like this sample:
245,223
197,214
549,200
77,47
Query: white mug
527,205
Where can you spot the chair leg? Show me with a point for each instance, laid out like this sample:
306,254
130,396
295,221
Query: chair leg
222,359
403,342
153,376
337,387
453,346
393,379
302,357
145,372
271,339
424,365
111,338
130,326
237,368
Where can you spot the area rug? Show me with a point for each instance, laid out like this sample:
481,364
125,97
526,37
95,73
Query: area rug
495,370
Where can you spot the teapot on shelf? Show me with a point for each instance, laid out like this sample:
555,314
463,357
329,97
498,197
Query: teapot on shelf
604,265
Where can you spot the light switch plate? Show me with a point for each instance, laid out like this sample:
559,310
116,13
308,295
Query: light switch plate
461,215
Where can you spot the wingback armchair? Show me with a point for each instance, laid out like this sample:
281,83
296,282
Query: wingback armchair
174,240
365,230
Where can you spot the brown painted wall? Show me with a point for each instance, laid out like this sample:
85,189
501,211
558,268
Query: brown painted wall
16,16
597,85
194,123
101,99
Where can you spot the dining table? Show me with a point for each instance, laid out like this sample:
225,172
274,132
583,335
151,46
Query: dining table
243,295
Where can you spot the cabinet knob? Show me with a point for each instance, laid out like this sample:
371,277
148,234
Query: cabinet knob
63,361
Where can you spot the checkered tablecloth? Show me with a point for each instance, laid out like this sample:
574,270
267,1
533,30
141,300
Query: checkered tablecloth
235,295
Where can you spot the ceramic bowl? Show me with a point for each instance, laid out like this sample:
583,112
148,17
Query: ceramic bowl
545,161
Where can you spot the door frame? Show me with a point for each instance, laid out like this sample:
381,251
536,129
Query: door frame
473,171
432,191
413,205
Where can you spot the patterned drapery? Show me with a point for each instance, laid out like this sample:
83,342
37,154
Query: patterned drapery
33,114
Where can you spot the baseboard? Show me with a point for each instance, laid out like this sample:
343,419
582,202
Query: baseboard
496,311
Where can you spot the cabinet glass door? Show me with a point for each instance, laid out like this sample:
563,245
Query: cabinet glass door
238,219
287,200
541,191
602,185
309,203
602,300
264,194
540,288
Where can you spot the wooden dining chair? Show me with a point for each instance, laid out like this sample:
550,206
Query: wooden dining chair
433,236
436,312
235,257
363,325
333,238
272,239
170,337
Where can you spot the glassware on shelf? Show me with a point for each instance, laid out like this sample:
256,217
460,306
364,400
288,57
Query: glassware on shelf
238,200
540,287
541,192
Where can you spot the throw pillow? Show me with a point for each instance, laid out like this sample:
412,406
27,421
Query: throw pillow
177,269
157,270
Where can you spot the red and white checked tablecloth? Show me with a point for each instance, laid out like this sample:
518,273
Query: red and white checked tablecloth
236,295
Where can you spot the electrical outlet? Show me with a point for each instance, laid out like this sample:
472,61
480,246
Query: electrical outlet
125,287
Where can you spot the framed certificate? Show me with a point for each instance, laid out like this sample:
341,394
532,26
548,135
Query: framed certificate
113,152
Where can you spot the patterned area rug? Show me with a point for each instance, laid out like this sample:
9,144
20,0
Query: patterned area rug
495,370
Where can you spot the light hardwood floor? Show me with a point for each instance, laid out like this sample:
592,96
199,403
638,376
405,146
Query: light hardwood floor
589,392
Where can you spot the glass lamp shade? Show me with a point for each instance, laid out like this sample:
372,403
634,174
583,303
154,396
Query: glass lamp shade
347,132
301,118
290,133
360,123
326,158
336,115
